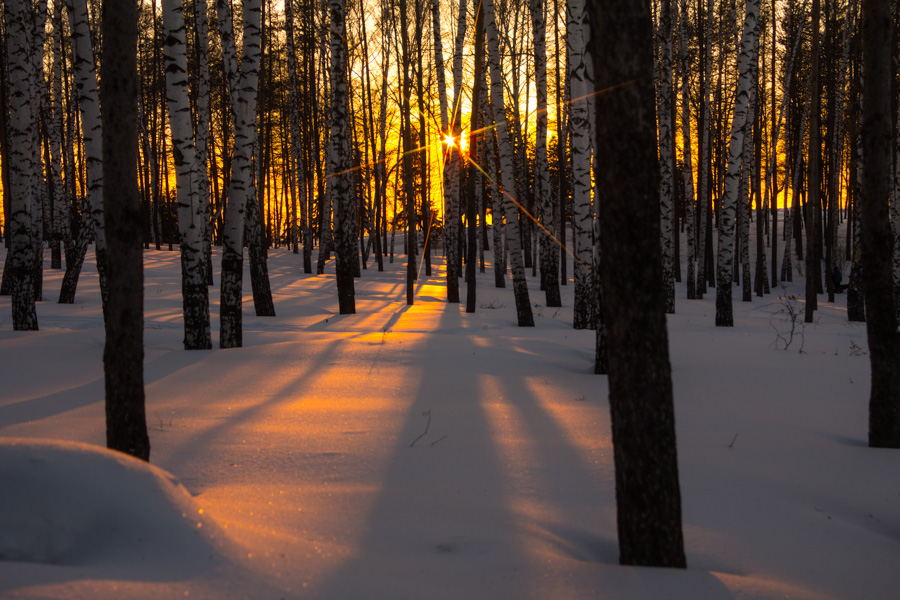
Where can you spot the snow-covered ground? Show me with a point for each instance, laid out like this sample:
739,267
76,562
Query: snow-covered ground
419,452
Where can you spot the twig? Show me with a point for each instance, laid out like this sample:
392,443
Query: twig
733,440
427,413
437,440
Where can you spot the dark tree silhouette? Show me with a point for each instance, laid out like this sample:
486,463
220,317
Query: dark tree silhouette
648,498
123,355
877,242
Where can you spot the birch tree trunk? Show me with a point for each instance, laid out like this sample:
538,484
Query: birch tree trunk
340,177
22,196
687,158
243,92
724,273
58,216
450,162
666,158
703,201
191,213
580,149
548,248
516,262
298,183
37,88
201,173
91,132
748,170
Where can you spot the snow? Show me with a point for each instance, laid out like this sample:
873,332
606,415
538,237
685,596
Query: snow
423,452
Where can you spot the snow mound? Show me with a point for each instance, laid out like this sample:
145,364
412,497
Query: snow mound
73,504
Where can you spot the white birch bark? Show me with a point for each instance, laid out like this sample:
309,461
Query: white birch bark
22,194
517,265
666,158
548,249
41,206
58,217
297,182
191,216
243,94
744,193
450,164
724,273
580,149
704,170
91,128
201,141
687,156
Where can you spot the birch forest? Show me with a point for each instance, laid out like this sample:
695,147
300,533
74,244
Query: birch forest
406,130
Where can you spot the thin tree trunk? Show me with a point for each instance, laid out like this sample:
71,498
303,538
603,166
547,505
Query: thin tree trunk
91,130
340,177
666,155
520,285
190,208
22,195
548,252
580,149
724,309
242,88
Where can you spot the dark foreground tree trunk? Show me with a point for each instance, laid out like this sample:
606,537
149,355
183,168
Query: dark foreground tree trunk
877,241
123,355
648,498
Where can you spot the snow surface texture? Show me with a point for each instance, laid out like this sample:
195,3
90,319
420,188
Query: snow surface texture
422,452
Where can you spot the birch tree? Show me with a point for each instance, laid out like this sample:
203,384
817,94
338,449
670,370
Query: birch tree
666,149
450,162
580,149
516,261
724,272
549,251
687,156
242,87
202,129
191,213
297,182
91,131
21,131
340,176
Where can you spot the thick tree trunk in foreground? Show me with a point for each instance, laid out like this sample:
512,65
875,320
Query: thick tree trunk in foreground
123,355
877,243
648,497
